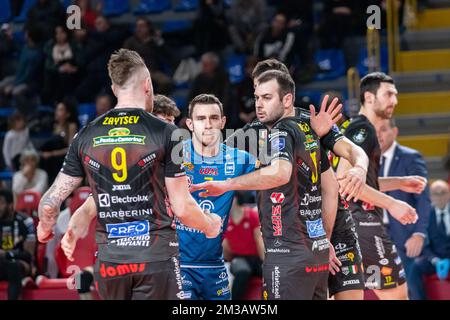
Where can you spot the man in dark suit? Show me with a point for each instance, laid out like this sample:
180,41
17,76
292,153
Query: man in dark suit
398,161
436,253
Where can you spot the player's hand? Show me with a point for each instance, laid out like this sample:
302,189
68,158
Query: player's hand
352,183
211,188
47,219
69,243
413,184
403,212
326,118
44,235
335,263
215,225
414,246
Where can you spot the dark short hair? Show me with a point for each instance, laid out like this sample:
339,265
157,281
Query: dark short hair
7,195
244,197
164,105
268,64
371,83
284,80
204,98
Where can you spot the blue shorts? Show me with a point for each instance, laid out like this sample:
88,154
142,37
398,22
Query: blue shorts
205,283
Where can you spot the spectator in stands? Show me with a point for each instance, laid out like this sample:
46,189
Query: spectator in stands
339,20
247,20
28,74
103,103
398,161
276,41
300,17
148,42
62,62
45,15
54,149
88,14
243,244
30,177
437,251
165,108
210,28
17,245
17,139
212,79
100,45
245,94
8,49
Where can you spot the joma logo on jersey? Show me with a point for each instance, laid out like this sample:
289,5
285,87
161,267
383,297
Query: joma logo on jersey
276,221
209,171
118,136
128,229
277,197
114,121
91,163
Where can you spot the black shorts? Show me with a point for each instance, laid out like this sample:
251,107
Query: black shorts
351,274
294,282
383,267
139,281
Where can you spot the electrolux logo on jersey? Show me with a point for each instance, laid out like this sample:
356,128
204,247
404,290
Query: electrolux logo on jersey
308,199
105,200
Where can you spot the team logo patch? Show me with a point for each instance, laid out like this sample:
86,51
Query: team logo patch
118,136
278,144
128,229
277,197
360,136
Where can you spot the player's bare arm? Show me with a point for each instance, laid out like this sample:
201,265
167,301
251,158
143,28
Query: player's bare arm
276,174
188,211
51,202
330,192
411,184
353,180
78,226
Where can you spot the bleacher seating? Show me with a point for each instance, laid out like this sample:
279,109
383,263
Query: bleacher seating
27,5
5,11
152,6
235,66
331,63
86,112
115,7
186,5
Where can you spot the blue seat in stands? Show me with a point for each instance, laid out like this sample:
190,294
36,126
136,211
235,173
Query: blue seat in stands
67,3
313,96
331,63
176,25
115,7
228,3
152,6
364,61
6,112
186,5
235,66
5,11
86,112
27,5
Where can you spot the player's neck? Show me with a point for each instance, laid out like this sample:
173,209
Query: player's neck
206,151
290,112
370,115
128,101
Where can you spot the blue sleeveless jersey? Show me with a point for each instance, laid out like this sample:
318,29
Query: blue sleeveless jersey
195,248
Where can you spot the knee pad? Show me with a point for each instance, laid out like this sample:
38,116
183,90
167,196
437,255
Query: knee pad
86,279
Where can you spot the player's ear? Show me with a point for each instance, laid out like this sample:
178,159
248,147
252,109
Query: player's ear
189,124
113,90
288,100
224,121
369,97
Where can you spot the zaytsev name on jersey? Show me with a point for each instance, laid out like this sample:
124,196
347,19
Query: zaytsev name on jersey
195,248
291,214
126,167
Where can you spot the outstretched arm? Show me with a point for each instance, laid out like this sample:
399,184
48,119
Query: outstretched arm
51,202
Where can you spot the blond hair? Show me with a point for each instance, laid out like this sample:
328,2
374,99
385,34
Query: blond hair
123,65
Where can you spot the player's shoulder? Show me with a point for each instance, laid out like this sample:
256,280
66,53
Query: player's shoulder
290,124
359,129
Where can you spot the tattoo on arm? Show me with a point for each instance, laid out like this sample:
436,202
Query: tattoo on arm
58,192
